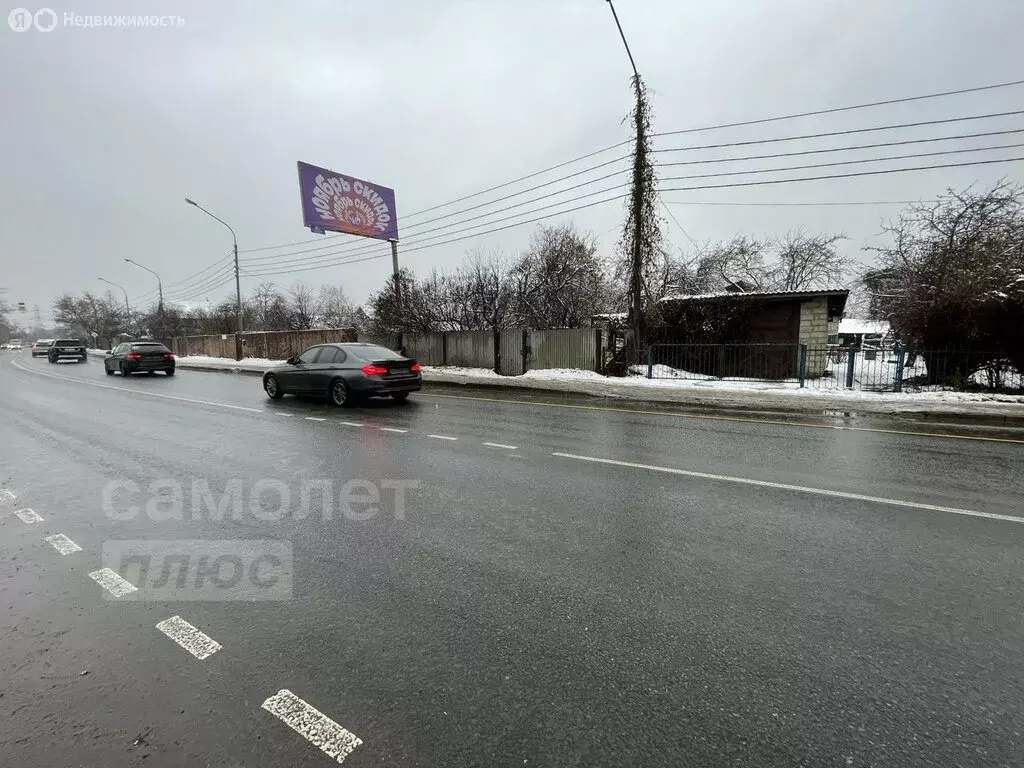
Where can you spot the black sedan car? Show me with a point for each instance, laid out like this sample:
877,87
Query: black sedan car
66,349
136,356
345,372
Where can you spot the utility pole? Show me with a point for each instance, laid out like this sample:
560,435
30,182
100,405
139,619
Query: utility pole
397,276
638,193
238,279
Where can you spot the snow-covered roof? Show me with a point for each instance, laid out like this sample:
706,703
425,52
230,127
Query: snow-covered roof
611,315
762,294
856,325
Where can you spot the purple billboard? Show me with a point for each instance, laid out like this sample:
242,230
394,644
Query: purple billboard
338,203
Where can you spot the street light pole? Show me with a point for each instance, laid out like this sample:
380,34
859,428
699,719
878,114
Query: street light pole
159,285
127,309
238,280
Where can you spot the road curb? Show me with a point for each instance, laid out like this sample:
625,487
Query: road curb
1010,415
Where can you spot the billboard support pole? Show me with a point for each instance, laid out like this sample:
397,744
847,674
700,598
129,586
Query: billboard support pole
397,276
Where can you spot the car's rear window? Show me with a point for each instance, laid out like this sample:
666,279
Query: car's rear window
149,348
373,352
68,343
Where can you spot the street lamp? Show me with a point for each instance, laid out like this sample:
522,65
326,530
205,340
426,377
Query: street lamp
127,309
159,284
238,282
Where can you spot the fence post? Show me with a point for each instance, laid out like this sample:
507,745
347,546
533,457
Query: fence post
598,356
650,361
803,365
526,348
444,347
901,356
721,361
851,359
497,350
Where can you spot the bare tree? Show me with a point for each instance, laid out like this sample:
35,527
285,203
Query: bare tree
304,307
955,274
808,262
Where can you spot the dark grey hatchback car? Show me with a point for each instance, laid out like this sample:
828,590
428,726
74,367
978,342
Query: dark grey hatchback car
344,373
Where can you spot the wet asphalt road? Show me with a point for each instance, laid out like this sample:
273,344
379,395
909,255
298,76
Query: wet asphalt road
521,608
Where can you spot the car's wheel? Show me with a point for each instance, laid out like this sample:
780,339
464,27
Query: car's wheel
151,373
108,370
272,388
339,393
400,396
52,361
169,371
124,371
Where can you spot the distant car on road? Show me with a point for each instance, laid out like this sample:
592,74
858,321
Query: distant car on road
137,356
15,344
345,372
41,348
63,349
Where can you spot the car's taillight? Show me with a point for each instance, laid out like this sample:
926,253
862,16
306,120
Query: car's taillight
415,367
133,356
374,370
168,356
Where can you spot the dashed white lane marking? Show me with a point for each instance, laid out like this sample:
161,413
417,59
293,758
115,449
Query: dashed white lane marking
314,418
501,445
350,423
113,583
442,437
63,544
6,495
28,516
137,391
188,637
314,725
797,488
282,414
392,429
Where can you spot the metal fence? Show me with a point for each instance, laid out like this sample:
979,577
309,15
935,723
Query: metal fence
869,369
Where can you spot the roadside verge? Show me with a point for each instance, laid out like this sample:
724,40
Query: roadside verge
995,410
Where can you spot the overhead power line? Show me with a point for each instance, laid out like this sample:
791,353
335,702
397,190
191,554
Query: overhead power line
881,172
795,205
858,161
847,132
447,230
277,258
417,246
874,145
834,110
150,295
759,121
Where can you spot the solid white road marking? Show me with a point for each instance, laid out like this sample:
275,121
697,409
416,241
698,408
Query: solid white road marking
392,429
28,516
442,437
501,445
137,391
6,495
314,418
797,488
188,637
113,583
350,423
63,544
282,414
313,724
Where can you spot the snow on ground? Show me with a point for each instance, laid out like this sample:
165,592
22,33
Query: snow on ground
221,363
591,382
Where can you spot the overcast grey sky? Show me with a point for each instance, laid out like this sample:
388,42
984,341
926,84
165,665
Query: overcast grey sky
107,129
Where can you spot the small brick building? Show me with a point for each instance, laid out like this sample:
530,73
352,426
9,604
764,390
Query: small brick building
787,319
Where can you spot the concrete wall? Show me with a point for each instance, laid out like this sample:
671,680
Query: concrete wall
814,330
